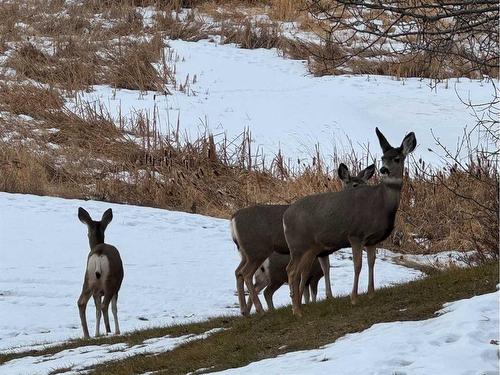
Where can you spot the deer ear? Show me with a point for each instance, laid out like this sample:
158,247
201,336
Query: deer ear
107,216
409,143
84,216
383,141
367,173
343,172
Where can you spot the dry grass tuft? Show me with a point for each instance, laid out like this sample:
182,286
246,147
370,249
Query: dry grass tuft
251,35
131,66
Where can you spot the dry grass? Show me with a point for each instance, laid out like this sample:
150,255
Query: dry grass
91,29
88,155
132,67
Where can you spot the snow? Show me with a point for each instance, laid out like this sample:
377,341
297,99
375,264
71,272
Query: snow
84,357
442,259
179,268
457,341
285,107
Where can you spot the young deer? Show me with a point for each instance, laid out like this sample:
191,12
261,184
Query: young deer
361,217
271,275
258,232
103,274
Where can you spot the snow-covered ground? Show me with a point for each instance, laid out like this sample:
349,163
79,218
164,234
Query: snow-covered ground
285,107
179,267
462,339
83,357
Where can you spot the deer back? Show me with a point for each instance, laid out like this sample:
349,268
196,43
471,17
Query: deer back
331,220
260,227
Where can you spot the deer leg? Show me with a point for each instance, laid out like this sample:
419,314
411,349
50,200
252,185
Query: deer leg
240,285
114,310
325,266
357,257
82,306
248,272
307,297
305,270
293,283
314,289
105,306
258,288
97,302
372,253
269,292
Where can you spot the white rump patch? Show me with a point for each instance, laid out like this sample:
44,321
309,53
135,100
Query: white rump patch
234,232
100,264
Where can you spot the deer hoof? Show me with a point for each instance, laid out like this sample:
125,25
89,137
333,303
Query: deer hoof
297,313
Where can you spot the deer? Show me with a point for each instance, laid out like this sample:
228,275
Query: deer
103,274
257,232
271,275
359,218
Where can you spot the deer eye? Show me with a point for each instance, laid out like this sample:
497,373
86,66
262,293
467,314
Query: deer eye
397,159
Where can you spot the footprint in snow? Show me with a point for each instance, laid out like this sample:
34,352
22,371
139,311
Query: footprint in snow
451,339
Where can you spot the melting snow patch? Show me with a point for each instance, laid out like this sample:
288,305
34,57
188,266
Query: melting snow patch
84,357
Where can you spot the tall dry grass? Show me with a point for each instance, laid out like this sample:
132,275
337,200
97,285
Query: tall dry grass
84,154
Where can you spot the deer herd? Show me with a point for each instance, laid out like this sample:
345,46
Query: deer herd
279,243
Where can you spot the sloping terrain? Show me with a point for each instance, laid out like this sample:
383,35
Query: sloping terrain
179,268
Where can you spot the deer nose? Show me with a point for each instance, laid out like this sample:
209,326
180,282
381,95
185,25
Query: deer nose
384,170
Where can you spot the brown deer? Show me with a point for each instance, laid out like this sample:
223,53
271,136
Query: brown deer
271,275
361,217
103,274
258,232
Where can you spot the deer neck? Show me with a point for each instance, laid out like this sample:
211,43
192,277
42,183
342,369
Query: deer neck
93,243
392,189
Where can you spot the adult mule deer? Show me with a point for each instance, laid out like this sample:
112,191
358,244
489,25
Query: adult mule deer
257,232
103,274
361,217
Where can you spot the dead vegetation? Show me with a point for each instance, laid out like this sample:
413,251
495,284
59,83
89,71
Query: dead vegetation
45,148
83,154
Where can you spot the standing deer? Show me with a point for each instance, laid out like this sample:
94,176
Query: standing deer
103,274
271,275
257,232
361,217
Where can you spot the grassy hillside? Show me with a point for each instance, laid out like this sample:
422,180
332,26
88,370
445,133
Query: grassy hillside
249,339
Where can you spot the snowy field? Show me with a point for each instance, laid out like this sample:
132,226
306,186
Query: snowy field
457,341
178,267
285,107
